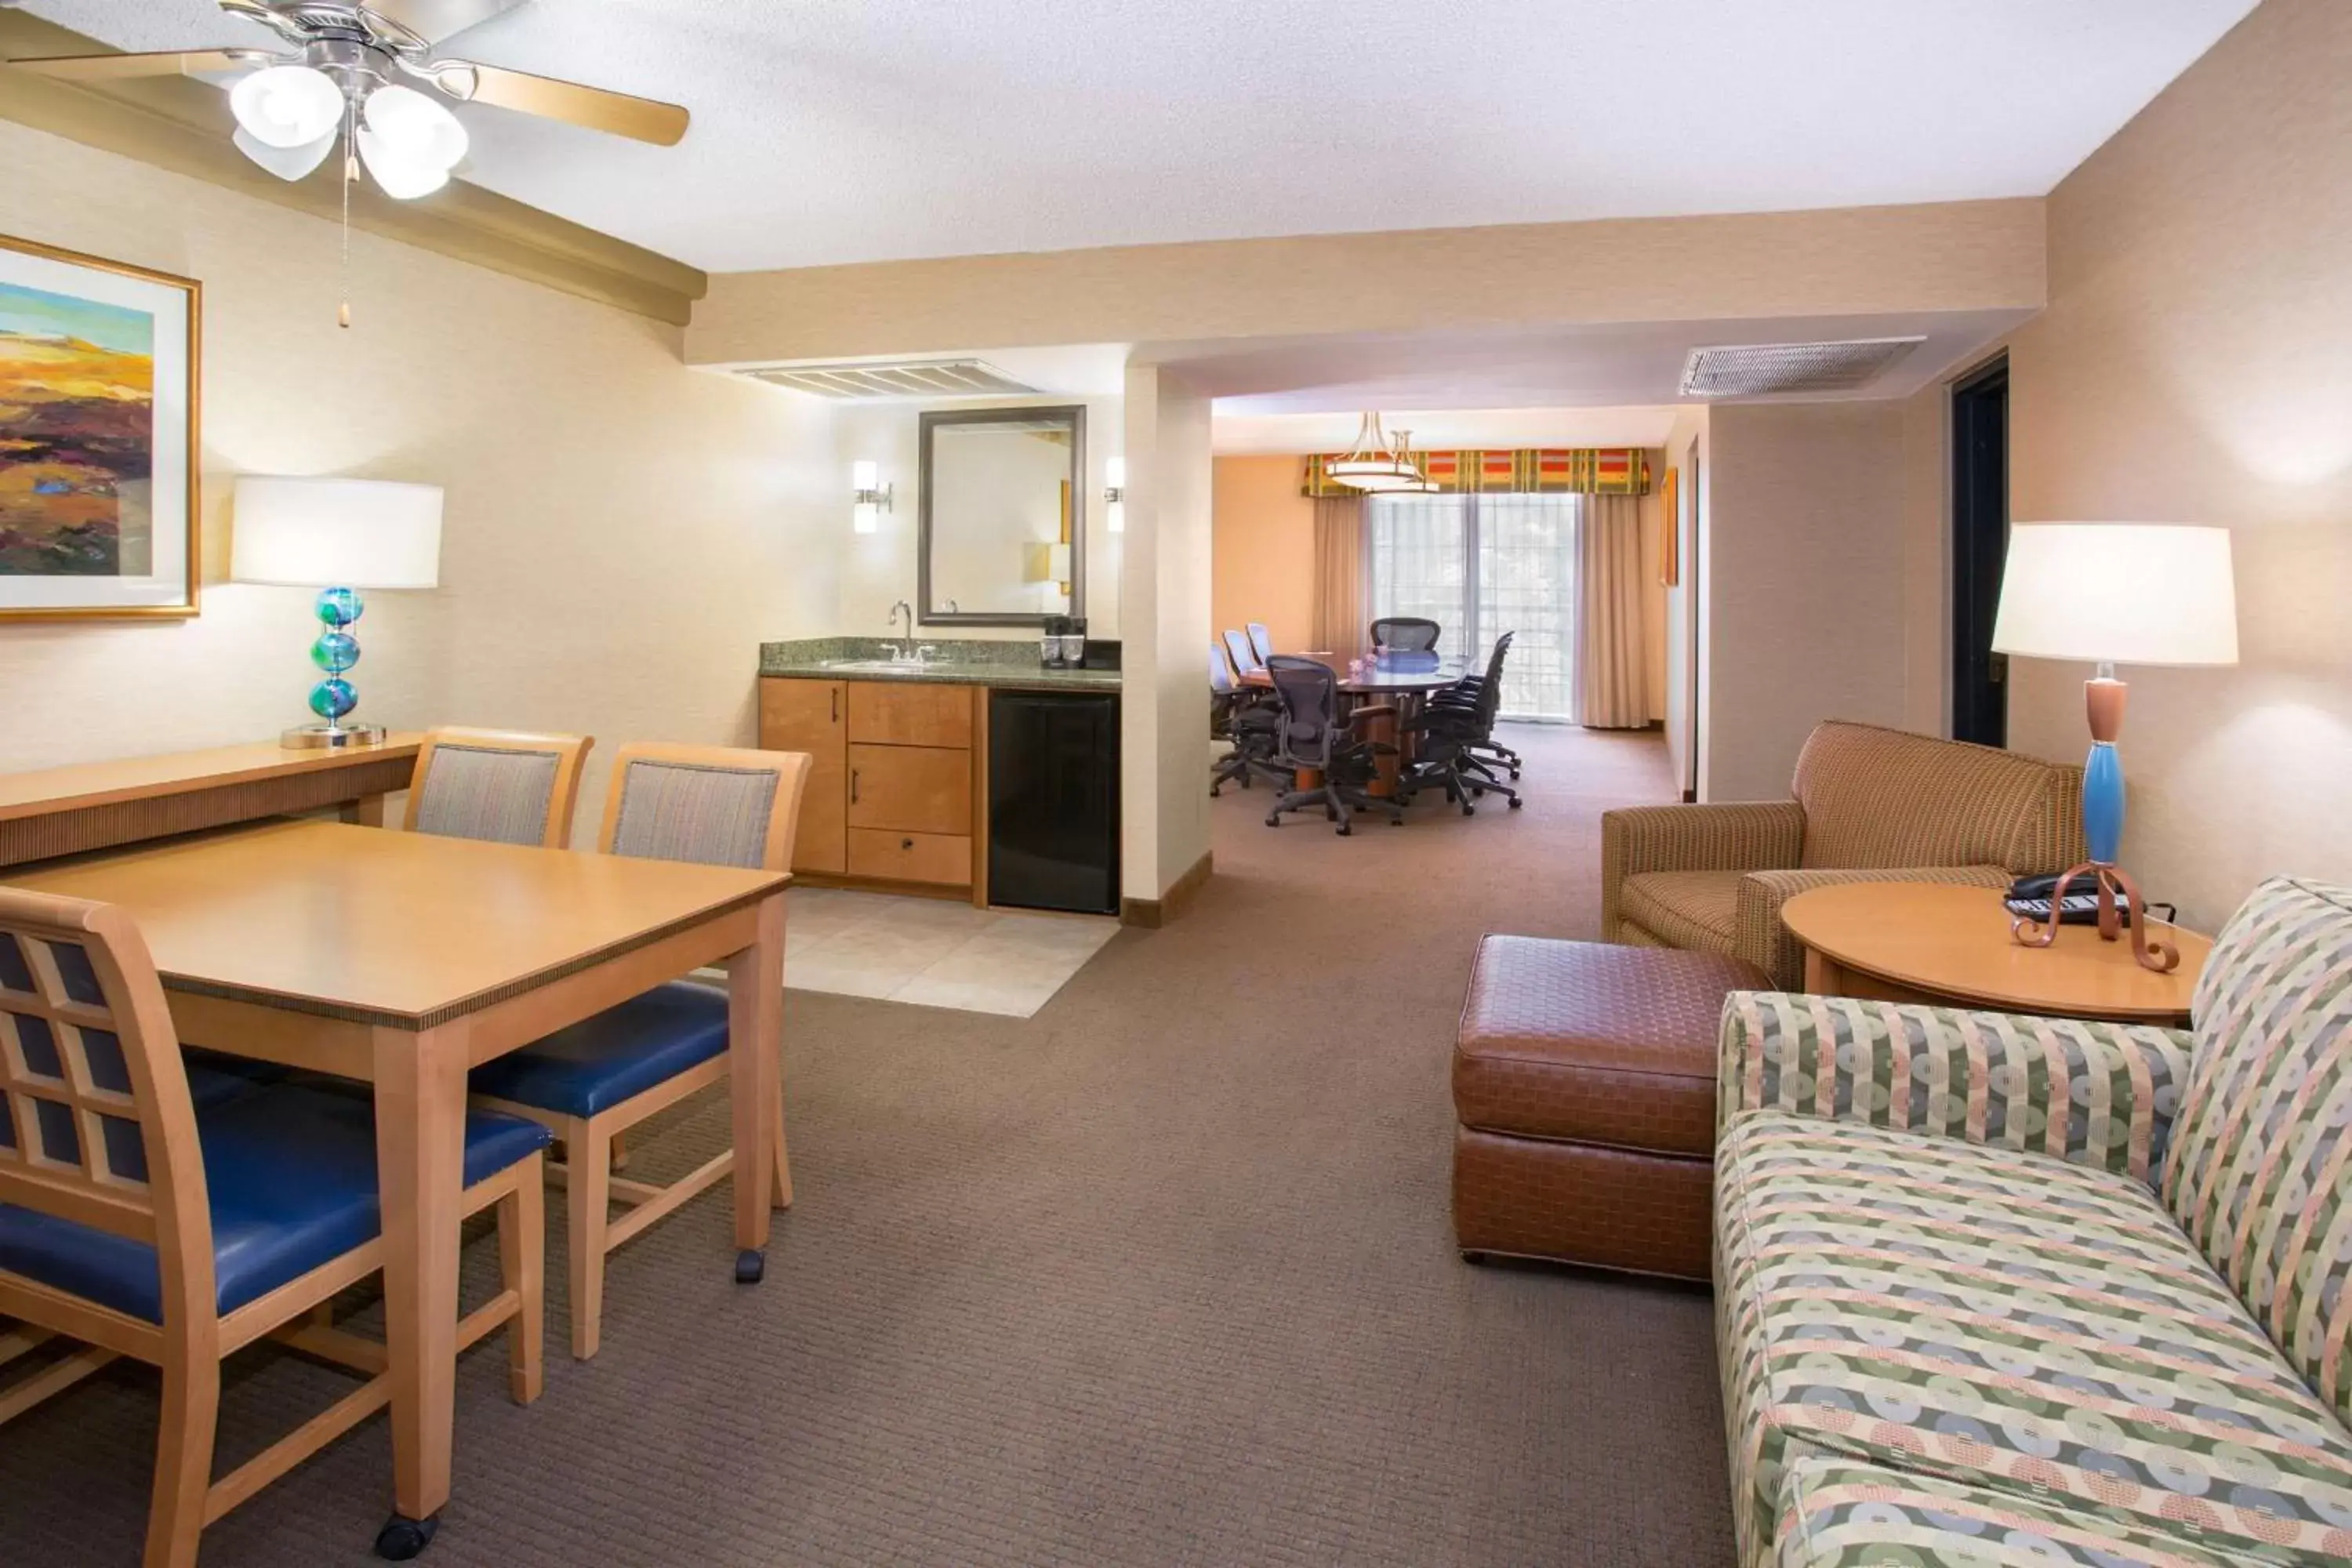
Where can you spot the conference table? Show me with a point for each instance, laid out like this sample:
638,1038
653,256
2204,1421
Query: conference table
1406,682
404,959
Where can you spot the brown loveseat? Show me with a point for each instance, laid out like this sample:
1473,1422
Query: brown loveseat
1871,805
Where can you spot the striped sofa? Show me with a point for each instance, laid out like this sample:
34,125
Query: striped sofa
1869,805
1996,1289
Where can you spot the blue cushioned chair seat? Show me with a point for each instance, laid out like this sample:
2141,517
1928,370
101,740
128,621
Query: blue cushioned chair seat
215,1077
290,1173
601,1062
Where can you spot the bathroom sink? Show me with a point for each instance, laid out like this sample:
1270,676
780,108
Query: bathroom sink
905,666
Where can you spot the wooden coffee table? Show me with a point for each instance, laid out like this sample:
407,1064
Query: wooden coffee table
1927,941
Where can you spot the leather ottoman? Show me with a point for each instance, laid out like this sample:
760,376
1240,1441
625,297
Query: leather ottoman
1584,1086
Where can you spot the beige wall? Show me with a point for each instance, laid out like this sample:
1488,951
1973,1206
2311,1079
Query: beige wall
1264,562
1803,580
621,532
2191,368
1164,614
1956,256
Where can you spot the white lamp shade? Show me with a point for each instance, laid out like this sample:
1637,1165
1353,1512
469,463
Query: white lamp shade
337,533
288,105
2121,593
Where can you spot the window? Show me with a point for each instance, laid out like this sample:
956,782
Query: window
1480,565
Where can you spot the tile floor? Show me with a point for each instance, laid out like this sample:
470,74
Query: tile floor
934,951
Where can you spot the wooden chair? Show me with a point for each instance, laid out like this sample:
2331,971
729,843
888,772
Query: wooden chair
502,785
716,805
140,1224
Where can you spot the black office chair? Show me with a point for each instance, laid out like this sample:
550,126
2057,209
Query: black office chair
1489,753
1313,737
1406,634
1236,715
1449,735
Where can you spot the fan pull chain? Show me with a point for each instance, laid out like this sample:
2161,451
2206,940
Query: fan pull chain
351,178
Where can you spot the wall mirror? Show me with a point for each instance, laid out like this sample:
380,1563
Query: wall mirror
1002,519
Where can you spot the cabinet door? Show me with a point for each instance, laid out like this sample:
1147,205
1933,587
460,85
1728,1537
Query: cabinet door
910,713
810,716
914,789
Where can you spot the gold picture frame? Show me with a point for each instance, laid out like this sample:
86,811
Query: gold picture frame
112,481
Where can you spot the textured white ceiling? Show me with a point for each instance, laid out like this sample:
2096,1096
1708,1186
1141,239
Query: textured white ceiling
831,131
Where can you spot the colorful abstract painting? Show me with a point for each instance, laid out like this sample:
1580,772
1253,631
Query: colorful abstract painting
97,429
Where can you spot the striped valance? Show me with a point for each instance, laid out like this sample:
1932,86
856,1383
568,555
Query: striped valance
1538,470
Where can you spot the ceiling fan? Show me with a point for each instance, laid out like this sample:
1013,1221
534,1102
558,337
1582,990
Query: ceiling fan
348,77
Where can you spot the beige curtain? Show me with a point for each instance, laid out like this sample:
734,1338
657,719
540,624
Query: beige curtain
1612,691
1342,594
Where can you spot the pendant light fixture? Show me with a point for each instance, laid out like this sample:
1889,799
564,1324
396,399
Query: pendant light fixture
1379,465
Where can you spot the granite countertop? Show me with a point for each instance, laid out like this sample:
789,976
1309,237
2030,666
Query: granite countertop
969,662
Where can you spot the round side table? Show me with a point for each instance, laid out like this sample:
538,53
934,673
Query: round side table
1929,942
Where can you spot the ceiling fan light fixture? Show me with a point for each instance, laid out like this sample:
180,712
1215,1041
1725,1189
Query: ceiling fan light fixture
415,128
286,162
401,177
287,106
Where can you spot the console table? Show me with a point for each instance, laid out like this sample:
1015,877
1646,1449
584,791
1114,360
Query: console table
95,805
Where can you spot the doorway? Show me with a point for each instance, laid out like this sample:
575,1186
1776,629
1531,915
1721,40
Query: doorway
1980,543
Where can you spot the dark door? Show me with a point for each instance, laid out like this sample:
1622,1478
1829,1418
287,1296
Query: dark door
1980,542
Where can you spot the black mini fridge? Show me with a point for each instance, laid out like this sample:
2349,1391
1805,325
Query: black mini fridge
1053,800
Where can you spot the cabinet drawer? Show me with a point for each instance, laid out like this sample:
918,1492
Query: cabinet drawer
902,713
913,789
938,857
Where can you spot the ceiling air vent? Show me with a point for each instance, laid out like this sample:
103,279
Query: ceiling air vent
1755,370
905,378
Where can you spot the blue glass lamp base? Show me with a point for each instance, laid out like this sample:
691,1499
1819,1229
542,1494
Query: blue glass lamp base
332,699
2103,802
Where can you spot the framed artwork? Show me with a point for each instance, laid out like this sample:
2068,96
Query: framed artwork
98,443
1670,529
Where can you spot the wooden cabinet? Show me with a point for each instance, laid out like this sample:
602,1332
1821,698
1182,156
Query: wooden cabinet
910,715
910,857
917,789
891,793
810,716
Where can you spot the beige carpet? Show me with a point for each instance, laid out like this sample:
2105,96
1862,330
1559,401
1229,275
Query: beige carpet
1162,1275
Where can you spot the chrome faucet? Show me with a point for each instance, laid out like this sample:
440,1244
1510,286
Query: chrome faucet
907,642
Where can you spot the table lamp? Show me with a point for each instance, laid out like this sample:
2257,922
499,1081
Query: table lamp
338,536
2112,594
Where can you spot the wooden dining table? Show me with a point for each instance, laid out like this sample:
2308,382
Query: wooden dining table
404,958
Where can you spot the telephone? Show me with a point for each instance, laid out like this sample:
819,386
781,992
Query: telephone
2030,897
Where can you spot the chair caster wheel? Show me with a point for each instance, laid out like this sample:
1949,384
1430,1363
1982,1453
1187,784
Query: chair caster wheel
402,1539
1212,791
1396,822
1469,810
1516,803
1515,774
1344,830
748,1267
1274,821
1476,1260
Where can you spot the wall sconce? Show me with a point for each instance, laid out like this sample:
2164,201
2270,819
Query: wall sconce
1115,496
873,497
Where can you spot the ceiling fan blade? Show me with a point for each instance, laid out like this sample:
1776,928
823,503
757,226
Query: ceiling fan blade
434,20
643,119
112,67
